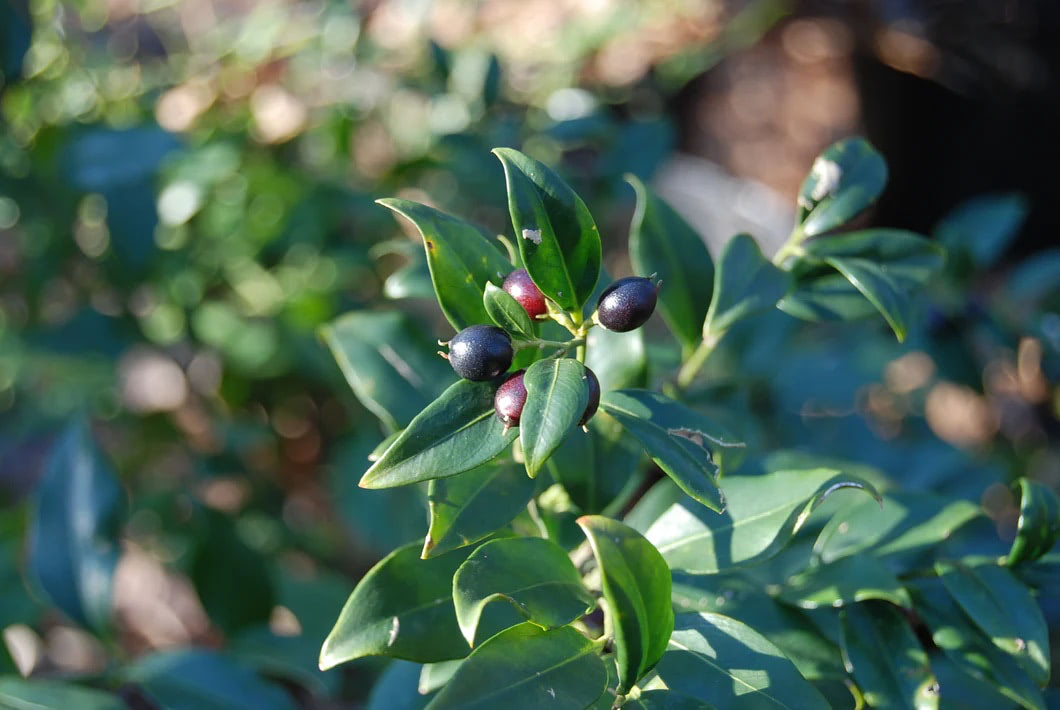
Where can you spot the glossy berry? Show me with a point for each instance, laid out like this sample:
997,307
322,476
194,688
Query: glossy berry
510,398
626,304
594,397
480,352
522,289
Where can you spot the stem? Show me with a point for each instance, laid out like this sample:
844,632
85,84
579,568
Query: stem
535,515
699,358
580,353
792,247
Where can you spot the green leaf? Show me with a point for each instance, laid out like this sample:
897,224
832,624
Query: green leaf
744,599
1039,523
195,679
1004,609
220,562
403,608
678,439
533,575
715,657
73,537
886,659
763,514
389,362
845,179
434,675
983,227
557,237
618,359
460,257
844,582
527,667
557,393
666,700
876,285
467,508
457,432
37,694
970,651
397,688
905,527
662,243
507,313
637,586
573,466
745,284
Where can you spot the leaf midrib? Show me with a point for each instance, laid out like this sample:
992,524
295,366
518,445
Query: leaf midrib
707,660
419,452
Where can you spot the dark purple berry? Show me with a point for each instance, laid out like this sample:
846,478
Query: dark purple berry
510,398
520,287
594,397
481,352
626,304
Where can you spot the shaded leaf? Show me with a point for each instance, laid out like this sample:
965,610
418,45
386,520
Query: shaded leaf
397,688
666,700
466,508
390,364
1004,609
533,575
460,258
527,667
618,359
713,656
558,240
434,675
983,227
557,393
886,659
1039,523
73,538
763,514
24,694
456,432
507,313
403,608
845,179
844,582
662,243
637,586
204,680
876,285
745,284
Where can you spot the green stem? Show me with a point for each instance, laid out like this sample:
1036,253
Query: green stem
792,247
699,358
580,353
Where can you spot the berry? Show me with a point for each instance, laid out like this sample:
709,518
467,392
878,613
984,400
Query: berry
594,397
626,304
481,352
510,398
520,287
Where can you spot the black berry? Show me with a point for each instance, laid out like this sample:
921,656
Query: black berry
594,397
480,352
626,304
510,398
520,287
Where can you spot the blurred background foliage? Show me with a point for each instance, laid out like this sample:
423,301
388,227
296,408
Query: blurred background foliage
187,193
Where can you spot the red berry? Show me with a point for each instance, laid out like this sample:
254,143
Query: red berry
594,397
510,398
520,287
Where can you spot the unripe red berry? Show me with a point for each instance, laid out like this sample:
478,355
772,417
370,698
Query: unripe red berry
520,287
594,397
510,398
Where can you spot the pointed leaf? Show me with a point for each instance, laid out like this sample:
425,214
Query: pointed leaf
886,659
527,667
557,237
507,313
460,258
662,243
879,288
557,393
1039,523
403,608
681,441
390,364
467,508
1004,609
25,694
713,656
844,582
763,514
73,538
845,179
434,675
457,432
533,575
970,651
636,584
745,284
